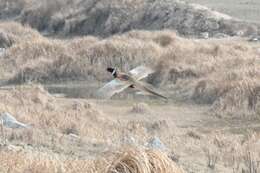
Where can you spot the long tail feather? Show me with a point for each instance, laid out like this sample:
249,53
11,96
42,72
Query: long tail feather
151,91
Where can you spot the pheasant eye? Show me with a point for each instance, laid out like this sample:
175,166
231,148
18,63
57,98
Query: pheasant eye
109,69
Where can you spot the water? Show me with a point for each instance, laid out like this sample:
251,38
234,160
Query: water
75,89
84,89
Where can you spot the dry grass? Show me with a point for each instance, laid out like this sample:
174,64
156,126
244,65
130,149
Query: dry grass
132,160
127,160
140,108
33,105
66,125
65,130
60,131
241,154
12,32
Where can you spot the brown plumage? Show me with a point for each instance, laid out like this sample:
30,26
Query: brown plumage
125,80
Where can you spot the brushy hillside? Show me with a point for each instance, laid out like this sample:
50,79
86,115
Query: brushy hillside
104,18
220,72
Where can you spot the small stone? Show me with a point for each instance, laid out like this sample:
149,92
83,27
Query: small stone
155,143
9,121
14,148
220,35
204,35
129,140
74,136
2,51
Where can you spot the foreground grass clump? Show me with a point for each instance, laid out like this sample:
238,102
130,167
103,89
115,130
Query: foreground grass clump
134,160
126,160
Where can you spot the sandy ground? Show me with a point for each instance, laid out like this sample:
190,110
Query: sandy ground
248,10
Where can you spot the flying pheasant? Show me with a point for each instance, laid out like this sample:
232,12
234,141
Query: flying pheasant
128,80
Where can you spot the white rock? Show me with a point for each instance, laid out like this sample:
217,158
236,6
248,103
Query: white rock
2,51
204,35
155,143
9,121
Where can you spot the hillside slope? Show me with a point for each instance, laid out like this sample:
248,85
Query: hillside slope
104,18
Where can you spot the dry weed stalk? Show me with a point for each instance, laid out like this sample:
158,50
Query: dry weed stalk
212,156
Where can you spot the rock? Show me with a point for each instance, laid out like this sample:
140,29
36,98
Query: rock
220,35
14,148
240,33
254,39
129,140
9,121
174,157
74,136
155,143
2,51
204,35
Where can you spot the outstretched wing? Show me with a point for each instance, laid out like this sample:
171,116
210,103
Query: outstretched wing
112,87
141,72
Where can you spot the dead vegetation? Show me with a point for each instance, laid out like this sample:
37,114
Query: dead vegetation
132,160
12,32
34,105
140,108
126,160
